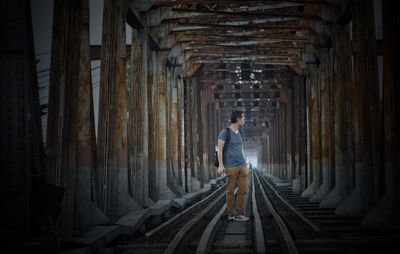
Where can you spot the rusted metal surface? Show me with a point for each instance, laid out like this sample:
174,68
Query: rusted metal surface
391,93
315,130
86,157
70,137
341,114
366,112
113,137
308,87
138,111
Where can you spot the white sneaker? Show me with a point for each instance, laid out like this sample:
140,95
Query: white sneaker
231,218
241,218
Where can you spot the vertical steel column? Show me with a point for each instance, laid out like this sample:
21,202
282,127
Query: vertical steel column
70,131
19,118
213,137
162,190
303,133
391,95
274,143
314,131
341,117
138,111
387,211
181,135
325,123
296,125
205,96
282,140
113,139
189,133
290,131
88,214
174,130
367,110
199,132
152,100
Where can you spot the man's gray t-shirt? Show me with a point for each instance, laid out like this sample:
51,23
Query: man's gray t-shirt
233,151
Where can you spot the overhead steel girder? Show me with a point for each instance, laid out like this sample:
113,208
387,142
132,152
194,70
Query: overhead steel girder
183,13
249,2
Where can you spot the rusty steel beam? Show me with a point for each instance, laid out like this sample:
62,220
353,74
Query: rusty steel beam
314,123
175,14
168,2
261,46
389,214
365,101
242,31
250,55
326,132
181,136
173,130
232,61
113,138
235,29
162,121
251,94
241,50
342,133
138,110
247,18
182,26
189,37
244,89
71,139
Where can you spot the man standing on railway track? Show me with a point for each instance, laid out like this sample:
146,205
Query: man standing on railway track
232,161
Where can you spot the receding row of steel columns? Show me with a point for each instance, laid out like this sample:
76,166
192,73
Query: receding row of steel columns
351,163
139,155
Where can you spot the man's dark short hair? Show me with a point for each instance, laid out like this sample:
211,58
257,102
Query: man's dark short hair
235,115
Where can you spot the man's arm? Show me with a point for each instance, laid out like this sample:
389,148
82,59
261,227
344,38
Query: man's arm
221,167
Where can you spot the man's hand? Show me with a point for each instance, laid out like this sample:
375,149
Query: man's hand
220,170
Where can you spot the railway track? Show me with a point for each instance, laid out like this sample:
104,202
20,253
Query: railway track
313,229
277,225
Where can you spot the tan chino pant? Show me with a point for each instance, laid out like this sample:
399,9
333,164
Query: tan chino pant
237,177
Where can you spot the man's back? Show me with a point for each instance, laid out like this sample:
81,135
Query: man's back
233,152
